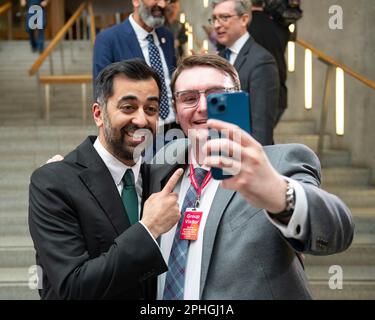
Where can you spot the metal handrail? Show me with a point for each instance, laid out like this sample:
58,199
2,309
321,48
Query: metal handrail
7,8
332,64
58,38
337,64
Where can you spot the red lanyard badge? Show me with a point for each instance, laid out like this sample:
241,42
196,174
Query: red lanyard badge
194,183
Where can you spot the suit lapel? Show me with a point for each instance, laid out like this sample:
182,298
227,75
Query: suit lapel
219,204
99,181
164,46
242,56
130,38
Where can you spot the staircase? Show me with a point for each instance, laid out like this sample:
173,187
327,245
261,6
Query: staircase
27,142
351,184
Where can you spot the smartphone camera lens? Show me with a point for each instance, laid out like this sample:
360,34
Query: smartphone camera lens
221,108
214,101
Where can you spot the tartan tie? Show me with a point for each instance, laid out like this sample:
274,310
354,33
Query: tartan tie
156,64
129,196
175,280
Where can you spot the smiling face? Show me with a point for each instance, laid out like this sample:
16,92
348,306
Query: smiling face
151,13
134,105
235,26
201,78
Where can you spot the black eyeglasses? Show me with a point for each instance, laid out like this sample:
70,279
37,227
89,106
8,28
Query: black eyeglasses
190,98
221,18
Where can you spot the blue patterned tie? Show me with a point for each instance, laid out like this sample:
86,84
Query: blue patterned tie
156,64
175,280
227,54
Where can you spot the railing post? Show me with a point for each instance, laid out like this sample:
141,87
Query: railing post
84,17
47,102
40,102
51,69
62,56
71,43
84,103
10,25
325,108
78,29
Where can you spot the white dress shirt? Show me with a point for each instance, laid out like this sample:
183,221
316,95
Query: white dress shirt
237,46
194,258
117,170
143,42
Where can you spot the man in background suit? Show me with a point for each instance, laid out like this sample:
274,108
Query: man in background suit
93,230
274,37
252,224
129,40
255,65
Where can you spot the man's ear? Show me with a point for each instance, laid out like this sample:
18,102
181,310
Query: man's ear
246,18
97,112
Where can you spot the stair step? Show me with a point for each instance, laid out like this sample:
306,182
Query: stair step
17,257
346,176
14,284
295,127
354,196
14,226
310,140
354,255
335,158
352,290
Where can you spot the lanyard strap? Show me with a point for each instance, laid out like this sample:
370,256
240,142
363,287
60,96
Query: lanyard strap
194,183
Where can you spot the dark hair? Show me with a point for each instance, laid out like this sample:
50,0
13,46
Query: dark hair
135,69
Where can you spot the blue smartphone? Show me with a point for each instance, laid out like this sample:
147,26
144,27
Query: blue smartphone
232,107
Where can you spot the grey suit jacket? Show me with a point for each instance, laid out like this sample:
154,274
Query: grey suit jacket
244,255
259,77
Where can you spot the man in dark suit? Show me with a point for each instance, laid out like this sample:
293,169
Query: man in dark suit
255,65
93,229
129,40
274,37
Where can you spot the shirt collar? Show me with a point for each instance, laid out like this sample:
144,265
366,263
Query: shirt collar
237,46
116,167
195,163
142,33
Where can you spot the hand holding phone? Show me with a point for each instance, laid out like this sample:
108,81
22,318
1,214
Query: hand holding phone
232,107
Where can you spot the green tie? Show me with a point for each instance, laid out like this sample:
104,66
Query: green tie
129,196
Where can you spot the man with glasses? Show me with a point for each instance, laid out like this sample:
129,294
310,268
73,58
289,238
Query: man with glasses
250,226
256,66
142,36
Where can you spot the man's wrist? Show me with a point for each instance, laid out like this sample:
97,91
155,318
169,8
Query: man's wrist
290,200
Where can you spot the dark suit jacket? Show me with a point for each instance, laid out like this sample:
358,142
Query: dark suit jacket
259,76
274,37
82,236
120,43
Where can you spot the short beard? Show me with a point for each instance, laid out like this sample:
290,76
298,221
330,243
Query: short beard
117,143
147,17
